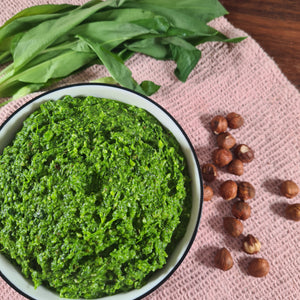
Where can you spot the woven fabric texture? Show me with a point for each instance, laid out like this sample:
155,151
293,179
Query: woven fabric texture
229,77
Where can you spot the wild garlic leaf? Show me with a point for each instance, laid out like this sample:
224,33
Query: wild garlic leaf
110,33
107,80
116,67
40,37
149,87
44,9
184,54
149,46
42,44
120,15
59,66
187,14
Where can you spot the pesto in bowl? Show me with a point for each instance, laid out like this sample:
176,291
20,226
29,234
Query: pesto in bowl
94,195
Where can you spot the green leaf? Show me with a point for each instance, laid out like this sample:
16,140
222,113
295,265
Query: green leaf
206,10
43,35
39,10
150,46
125,54
59,66
20,89
187,14
16,89
42,41
44,70
108,80
158,23
184,54
120,15
174,48
24,24
27,89
110,33
115,66
219,37
149,87
5,56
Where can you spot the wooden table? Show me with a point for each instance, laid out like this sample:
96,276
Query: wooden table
275,25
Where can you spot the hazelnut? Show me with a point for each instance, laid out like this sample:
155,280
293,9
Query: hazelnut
221,157
241,210
207,193
218,124
251,244
236,167
225,140
223,259
244,153
246,190
258,267
289,189
233,226
234,120
228,190
292,212
209,172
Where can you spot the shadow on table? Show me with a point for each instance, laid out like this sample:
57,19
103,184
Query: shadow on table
278,208
205,255
272,186
243,263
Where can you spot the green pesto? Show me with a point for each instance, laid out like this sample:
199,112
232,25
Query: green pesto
94,193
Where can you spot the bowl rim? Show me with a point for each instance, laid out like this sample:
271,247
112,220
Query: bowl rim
198,169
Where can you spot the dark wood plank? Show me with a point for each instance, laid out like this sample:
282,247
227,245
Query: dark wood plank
275,25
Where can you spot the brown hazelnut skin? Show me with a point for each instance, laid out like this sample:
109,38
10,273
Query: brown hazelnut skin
246,190
223,259
207,193
228,190
218,124
236,167
258,267
233,226
221,157
234,120
292,212
289,189
226,140
244,153
251,244
241,210
209,172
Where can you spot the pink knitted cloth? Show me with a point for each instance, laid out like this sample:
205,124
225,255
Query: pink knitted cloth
230,77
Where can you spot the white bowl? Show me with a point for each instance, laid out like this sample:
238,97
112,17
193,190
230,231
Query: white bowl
7,132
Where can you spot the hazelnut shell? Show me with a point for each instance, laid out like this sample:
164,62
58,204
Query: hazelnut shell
209,172
234,120
251,244
236,167
292,212
228,190
244,153
221,157
289,189
233,226
218,124
226,140
223,259
246,190
207,193
258,267
241,210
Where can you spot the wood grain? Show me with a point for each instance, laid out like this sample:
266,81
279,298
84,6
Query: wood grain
275,25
